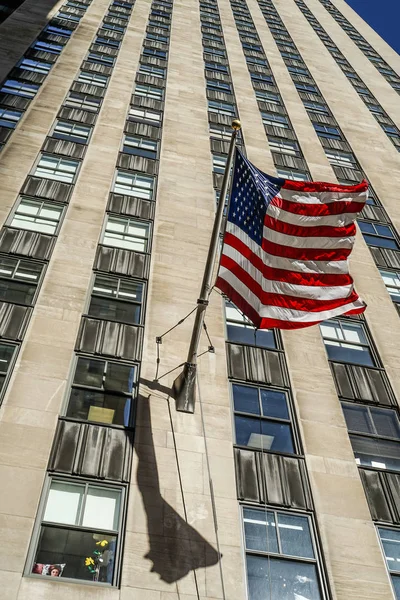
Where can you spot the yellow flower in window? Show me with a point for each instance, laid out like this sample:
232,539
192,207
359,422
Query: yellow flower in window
102,543
89,561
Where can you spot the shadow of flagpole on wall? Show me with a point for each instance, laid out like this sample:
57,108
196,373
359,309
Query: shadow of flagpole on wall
176,548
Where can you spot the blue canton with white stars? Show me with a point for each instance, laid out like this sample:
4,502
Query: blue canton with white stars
252,192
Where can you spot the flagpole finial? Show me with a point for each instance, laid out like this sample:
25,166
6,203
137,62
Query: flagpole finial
236,124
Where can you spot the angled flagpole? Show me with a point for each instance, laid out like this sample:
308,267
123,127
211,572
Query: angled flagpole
184,386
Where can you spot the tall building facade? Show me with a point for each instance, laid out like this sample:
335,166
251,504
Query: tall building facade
115,122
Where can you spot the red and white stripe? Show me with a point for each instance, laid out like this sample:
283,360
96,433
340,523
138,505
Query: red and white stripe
299,276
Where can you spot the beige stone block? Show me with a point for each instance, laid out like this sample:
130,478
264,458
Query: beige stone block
15,532
9,584
24,446
133,593
49,588
341,496
20,490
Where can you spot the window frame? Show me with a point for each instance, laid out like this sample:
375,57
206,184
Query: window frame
18,260
59,158
105,359
73,124
39,520
42,202
391,573
148,239
119,279
9,371
291,422
315,544
370,345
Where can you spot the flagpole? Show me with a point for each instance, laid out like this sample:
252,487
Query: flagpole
184,386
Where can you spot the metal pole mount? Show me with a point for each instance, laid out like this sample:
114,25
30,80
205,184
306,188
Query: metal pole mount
184,386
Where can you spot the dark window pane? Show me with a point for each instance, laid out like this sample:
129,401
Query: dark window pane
396,586
348,353
260,530
6,354
120,378
386,422
101,407
246,334
67,549
374,452
114,310
277,579
294,533
274,404
357,418
16,291
391,545
89,372
263,434
246,399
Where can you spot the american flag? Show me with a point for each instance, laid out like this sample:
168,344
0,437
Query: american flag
284,257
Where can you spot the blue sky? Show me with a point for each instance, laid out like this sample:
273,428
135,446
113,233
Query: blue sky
381,15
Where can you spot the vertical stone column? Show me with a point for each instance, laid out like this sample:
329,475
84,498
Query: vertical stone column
161,549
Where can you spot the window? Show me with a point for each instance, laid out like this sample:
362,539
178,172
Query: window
34,65
327,131
378,235
306,87
211,66
341,159
220,132
153,71
155,52
390,540
157,37
346,341
92,79
107,42
292,174
140,146
148,91
63,31
266,96
50,47
59,169
262,419
240,330
134,184
298,71
71,132
102,391
100,59
284,146
82,101
280,556
221,108
37,215
379,444
7,354
9,118
19,88
219,164
76,517
262,78
219,86
392,281
18,279
122,232
116,299
316,107
63,15
275,120
145,115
